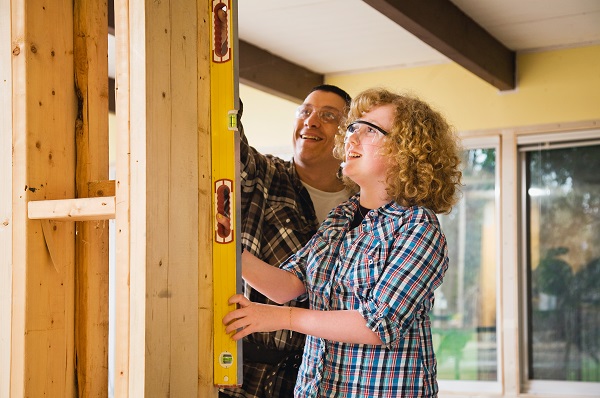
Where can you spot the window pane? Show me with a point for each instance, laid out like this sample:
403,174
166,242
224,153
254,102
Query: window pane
464,314
563,224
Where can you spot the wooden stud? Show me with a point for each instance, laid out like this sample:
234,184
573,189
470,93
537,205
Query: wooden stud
6,218
91,245
122,206
44,114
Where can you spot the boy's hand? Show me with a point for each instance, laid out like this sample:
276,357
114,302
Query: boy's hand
254,317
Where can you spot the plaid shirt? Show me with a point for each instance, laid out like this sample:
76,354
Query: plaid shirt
387,269
278,219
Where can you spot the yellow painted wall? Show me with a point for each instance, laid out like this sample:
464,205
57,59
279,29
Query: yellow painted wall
552,87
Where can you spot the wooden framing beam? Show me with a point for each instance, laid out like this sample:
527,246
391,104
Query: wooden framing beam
84,209
91,240
43,159
122,373
272,74
443,26
6,197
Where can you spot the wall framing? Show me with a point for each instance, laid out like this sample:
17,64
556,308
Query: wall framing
54,129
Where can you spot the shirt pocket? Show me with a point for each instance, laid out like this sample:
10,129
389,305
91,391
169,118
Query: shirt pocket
365,272
319,266
286,218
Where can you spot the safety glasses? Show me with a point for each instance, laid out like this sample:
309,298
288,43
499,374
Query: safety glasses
326,115
364,132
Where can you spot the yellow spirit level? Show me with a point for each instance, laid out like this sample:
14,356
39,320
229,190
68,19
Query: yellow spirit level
225,141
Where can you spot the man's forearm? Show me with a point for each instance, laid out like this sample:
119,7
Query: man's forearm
278,285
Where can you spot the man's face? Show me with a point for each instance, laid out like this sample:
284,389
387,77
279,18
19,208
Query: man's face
315,127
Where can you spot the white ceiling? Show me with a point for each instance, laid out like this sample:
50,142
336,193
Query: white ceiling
342,36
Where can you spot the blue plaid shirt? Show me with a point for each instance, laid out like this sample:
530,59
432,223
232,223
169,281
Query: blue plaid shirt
387,269
278,219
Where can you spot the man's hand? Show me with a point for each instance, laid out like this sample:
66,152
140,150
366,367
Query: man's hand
224,221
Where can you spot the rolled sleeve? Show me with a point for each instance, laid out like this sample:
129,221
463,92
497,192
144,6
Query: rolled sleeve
404,289
294,266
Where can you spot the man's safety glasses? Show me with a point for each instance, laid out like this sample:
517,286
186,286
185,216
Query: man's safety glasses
368,132
325,115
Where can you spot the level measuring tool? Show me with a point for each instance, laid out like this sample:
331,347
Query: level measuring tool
225,142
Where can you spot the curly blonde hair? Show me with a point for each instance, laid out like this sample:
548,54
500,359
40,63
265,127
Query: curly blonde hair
422,147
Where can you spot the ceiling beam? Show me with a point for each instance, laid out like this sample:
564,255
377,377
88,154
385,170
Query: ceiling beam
275,75
443,26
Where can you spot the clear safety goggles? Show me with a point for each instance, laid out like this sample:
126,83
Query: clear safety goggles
364,132
325,115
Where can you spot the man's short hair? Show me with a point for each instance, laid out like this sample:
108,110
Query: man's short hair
333,89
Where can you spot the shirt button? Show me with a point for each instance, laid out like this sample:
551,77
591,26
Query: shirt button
287,220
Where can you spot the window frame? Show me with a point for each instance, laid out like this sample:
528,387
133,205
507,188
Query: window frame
527,143
487,386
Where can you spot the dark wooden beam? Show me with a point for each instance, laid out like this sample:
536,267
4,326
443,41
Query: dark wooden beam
111,17
112,107
267,72
443,26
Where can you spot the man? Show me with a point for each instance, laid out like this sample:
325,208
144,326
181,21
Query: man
283,203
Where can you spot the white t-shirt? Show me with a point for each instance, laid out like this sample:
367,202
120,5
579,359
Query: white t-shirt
325,201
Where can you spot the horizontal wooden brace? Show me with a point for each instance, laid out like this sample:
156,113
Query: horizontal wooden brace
81,209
